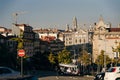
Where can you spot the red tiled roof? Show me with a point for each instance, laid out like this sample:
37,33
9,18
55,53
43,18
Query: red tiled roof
46,30
48,38
114,29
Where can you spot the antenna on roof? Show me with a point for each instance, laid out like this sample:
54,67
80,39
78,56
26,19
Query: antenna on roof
15,15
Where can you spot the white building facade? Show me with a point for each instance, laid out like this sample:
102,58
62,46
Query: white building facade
104,38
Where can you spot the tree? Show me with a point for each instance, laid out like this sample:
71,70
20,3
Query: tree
64,56
52,58
19,41
85,58
19,45
117,49
101,57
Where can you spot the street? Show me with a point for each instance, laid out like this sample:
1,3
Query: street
65,78
49,75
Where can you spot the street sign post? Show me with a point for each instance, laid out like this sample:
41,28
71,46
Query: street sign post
21,53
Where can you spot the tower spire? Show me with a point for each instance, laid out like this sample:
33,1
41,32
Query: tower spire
75,23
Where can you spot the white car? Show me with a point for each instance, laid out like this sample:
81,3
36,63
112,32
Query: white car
112,73
6,72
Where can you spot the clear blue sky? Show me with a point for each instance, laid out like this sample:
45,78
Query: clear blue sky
48,13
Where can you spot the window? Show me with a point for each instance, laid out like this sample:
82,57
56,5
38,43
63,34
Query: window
84,40
76,41
80,40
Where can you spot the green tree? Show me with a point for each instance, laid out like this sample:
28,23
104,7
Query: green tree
85,58
117,49
101,57
52,58
64,56
19,41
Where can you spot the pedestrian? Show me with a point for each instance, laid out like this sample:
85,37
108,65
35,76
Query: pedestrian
57,68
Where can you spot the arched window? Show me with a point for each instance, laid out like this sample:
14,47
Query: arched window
84,41
76,41
80,41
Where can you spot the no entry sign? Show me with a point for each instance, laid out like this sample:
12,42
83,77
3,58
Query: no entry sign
21,52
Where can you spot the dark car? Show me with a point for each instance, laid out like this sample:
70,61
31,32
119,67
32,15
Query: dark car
117,78
99,76
8,72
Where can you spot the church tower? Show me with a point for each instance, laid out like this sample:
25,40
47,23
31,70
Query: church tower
75,23
100,24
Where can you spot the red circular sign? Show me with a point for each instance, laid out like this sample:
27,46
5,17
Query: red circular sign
21,52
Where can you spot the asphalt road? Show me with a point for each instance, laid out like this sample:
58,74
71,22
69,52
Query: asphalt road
65,78
49,75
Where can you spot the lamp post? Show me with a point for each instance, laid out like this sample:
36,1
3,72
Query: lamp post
74,54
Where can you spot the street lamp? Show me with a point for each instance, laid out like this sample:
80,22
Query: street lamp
74,59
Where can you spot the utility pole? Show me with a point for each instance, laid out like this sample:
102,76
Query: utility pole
15,17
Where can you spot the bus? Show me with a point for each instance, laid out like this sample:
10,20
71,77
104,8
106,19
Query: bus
69,69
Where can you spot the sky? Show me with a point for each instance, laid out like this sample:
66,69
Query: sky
58,13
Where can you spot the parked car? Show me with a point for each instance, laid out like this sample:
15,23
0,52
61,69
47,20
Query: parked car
99,76
8,72
112,73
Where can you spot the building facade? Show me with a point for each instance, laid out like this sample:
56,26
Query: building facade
26,33
50,41
104,38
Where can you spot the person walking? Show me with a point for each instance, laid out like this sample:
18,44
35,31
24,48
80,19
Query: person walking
57,68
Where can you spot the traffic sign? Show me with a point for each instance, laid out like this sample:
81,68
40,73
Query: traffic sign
21,52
